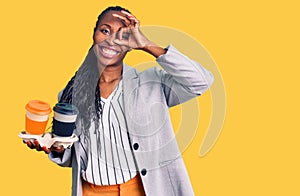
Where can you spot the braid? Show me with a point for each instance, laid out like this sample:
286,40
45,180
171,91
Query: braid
83,91
67,92
98,102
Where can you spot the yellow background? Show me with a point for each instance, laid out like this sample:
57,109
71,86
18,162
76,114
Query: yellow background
255,44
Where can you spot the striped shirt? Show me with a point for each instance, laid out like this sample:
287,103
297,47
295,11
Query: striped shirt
108,160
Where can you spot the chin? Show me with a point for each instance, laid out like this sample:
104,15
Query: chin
110,63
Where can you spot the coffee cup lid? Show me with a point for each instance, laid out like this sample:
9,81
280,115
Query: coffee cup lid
38,107
65,108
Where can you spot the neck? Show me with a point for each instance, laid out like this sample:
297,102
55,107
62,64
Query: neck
111,73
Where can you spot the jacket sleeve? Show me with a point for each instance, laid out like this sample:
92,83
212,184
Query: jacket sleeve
64,160
181,77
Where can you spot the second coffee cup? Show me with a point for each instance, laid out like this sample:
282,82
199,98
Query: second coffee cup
64,119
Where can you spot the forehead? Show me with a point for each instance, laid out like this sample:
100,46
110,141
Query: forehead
109,19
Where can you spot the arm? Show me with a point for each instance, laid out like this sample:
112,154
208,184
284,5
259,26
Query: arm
64,156
154,50
182,78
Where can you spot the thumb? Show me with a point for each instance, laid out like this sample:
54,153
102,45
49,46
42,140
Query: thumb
123,43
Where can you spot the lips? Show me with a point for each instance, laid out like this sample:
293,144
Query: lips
108,52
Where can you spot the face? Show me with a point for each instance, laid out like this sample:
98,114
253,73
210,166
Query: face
109,53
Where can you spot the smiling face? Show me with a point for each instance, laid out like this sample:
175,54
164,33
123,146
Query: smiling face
109,53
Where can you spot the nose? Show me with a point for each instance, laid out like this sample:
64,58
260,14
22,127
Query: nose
111,38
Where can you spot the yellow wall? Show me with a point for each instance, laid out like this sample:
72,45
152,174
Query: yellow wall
255,45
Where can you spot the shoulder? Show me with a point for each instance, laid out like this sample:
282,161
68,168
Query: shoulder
153,73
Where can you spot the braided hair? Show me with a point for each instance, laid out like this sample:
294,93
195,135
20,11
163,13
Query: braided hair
83,89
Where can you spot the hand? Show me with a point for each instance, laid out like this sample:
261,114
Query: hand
131,35
35,145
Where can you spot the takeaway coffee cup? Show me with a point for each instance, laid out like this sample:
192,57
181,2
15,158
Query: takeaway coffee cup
64,119
37,115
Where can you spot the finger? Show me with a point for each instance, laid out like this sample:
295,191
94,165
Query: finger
46,150
38,148
120,33
126,20
121,42
36,143
127,13
30,145
124,44
124,33
131,17
58,149
135,21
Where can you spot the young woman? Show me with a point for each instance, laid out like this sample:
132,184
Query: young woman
126,142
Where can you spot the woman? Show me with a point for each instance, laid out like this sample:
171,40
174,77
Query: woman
126,142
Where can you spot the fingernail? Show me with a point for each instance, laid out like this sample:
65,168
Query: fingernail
28,143
44,148
36,142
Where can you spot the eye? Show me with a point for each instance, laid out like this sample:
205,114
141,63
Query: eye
105,31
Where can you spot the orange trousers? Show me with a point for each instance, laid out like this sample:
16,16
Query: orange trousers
133,187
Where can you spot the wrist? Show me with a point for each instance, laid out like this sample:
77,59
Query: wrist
146,45
153,49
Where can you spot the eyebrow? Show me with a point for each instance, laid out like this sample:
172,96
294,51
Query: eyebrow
105,25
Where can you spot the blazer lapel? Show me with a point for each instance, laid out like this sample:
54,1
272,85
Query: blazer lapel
130,95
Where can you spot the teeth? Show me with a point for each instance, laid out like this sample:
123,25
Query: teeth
109,52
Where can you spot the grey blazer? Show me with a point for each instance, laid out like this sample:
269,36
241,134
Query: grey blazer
147,97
